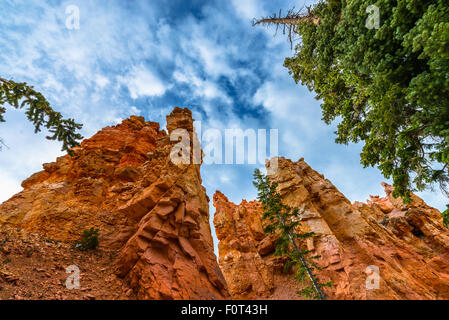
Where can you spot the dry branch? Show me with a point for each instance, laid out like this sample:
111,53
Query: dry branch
289,22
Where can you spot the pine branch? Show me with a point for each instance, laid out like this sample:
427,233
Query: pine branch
39,112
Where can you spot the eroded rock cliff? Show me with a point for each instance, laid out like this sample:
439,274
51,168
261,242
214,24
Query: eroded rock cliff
153,216
153,212
406,242
245,253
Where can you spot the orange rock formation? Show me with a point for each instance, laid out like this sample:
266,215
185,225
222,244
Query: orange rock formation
154,212
155,215
407,243
246,259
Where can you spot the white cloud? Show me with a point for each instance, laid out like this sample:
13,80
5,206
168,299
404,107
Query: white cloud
134,111
101,81
50,83
248,9
25,154
142,82
294,112
206,48
8,187
200,88
224,178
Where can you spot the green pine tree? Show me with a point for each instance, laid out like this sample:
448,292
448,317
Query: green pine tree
39,112
283,220
387,87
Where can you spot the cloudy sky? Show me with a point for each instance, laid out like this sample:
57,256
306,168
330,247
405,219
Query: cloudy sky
145,57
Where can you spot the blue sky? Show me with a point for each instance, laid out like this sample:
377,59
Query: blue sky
145,57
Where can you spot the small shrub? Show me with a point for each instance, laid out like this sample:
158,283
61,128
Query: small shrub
88,241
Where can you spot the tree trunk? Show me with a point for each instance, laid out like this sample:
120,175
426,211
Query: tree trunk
305,264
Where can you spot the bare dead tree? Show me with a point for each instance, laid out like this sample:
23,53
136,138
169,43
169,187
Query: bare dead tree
289,22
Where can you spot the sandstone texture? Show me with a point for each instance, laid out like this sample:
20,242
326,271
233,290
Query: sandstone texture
153,213
407,243
155,236
245,253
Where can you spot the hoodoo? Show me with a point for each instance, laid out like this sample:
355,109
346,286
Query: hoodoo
382,249
152,212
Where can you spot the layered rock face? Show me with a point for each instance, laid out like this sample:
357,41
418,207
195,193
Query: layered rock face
154,212
406,243
246,259
85,190
171,253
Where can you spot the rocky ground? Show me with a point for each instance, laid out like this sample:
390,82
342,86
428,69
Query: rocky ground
33,267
